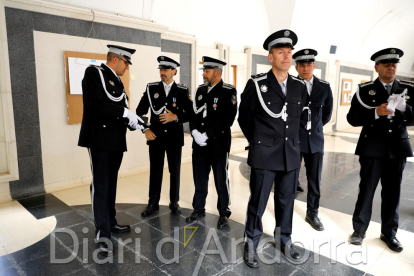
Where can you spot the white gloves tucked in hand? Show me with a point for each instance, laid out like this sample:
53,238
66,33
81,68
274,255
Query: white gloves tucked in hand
200,138
133,120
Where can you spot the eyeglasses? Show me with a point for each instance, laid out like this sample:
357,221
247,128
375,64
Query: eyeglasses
126,62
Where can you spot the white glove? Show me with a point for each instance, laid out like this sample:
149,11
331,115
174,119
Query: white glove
401,104
203,137
198,138
137,126
132,117
392,102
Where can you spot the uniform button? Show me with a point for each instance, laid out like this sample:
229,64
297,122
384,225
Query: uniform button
373,101
113,92
202,124
405,120
268,103
285,103
104,125
165,103
298,102
310,133
372,125
286,138
310,102
365,136
287,126
222,132
117,118
165,130
259,142
390,130
391,121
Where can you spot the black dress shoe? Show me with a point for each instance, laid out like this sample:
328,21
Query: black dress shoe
392,243
293,252
222,222
175,208
250,257
149,210
315,223
104,249
196,214
356,238
299,189
120,228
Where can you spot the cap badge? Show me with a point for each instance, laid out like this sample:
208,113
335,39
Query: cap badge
263,88
393,51
287,33
306,52
156,95
162,58
372,92
200,97
112,83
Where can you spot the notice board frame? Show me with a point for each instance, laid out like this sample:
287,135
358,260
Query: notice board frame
74,103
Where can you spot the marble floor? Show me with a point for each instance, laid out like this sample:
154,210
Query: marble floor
52,234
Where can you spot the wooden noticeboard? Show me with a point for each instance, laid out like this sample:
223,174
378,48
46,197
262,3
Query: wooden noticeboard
74,103
346,92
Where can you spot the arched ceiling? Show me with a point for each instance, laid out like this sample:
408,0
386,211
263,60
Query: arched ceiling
358,28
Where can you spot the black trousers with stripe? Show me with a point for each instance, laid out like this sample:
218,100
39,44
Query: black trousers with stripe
202,164
157,154
261,182
390,172
105,165
313,164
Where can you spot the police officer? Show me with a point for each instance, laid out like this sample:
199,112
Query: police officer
105,120
215,108
311,135
383,108
170,107
269,116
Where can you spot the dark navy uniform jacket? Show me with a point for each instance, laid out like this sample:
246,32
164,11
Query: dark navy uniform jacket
320,104
103,126
274,143
221,104
382,137
178,102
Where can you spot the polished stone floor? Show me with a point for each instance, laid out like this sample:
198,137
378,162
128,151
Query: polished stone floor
35,234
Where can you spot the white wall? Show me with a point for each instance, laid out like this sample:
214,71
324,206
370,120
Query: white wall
135,8
237,23
358,28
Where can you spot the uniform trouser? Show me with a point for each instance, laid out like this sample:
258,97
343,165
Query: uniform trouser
104,165
390,172
202,163
156,154
313,164
261,182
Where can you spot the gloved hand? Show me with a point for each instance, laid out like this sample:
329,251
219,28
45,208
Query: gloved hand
136,126
198,138
132,117
392,102
401,104
203,137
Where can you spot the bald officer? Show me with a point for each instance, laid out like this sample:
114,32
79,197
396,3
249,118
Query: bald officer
103,131
215,108
269,116
311,135
383,145
170,107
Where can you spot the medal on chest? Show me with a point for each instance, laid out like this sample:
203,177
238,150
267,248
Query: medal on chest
174,102
215,103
